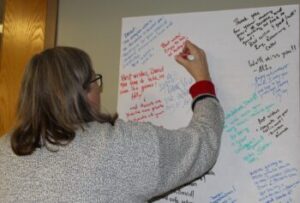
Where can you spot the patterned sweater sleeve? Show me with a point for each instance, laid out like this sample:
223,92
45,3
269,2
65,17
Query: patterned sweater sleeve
188,153
171,158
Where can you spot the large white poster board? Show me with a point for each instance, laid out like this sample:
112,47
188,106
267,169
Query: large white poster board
253,56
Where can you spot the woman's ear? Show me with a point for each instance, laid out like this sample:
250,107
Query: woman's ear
93,96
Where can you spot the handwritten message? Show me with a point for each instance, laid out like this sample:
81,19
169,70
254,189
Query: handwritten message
276,181
260,29
250,145
262,63
174,46
136,42
183,195
175,91
224,197
146,111
136,83
273,123
273,82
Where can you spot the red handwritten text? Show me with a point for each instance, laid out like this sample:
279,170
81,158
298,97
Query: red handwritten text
137,83
174,46
146,111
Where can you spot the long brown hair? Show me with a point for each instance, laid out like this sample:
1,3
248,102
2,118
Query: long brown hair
52,102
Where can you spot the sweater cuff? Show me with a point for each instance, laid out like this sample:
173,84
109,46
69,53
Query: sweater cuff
203,87
201,90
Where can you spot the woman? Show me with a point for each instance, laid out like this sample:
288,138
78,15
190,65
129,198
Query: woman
64,150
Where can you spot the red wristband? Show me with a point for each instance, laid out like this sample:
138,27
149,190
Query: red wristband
202,87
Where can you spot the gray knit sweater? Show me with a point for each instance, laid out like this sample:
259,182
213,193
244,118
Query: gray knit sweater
127,163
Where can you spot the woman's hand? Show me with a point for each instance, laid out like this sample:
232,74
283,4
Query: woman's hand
197,67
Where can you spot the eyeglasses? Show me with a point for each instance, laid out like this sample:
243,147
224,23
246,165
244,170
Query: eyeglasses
97,79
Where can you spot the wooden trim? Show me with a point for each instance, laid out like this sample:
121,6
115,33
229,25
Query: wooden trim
51,23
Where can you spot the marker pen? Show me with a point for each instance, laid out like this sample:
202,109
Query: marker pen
188,56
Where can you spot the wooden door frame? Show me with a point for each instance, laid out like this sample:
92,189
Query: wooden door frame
29,27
